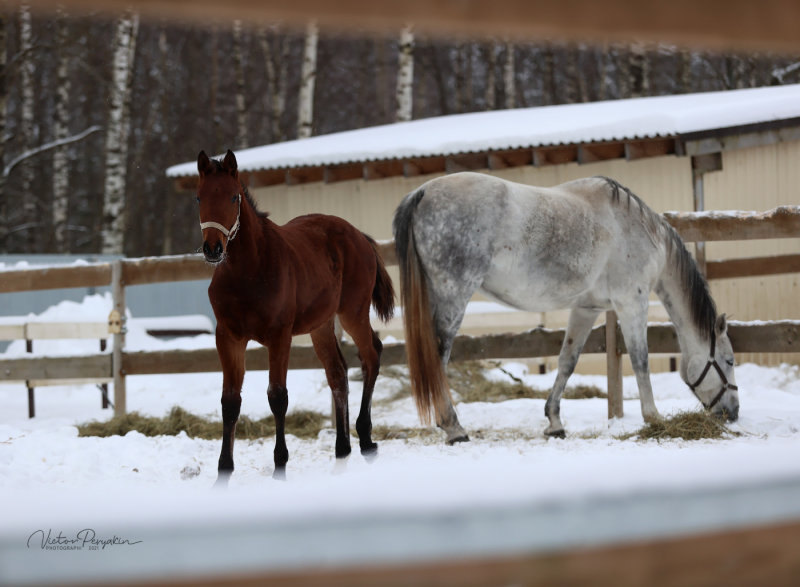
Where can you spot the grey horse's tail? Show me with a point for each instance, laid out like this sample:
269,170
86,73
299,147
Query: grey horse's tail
429,385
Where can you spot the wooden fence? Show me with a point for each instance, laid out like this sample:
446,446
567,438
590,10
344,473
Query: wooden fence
776,336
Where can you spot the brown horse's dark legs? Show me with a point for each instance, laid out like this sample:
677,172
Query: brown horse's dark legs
370,363
231,405
329,353
231,355
369,352
278,398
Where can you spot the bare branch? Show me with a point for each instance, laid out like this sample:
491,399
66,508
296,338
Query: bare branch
47,146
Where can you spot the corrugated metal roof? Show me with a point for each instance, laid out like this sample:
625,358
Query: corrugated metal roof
640,118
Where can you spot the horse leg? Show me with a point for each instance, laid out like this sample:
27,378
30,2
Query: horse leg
448,318
278,397
231,355
633,324
370,348
327,348
579,326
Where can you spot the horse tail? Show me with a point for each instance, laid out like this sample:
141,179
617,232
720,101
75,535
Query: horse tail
429,385
383,292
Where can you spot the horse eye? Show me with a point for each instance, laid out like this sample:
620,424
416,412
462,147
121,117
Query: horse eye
730,362
233,198
197,198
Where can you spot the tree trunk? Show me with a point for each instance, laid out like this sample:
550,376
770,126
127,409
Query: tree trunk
117,130
684,72
491,68
548,75
305,107
405,76
27,130
213,91
241,109
509,80
3,113
639,72
275,62
60,208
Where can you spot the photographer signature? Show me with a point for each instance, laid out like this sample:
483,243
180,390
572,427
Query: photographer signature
86,539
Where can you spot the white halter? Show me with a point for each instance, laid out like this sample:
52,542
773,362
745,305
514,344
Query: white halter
229,233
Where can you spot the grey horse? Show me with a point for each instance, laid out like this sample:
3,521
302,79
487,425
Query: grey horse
589,245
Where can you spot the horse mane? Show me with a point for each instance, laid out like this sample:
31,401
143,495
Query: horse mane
702,308
218,168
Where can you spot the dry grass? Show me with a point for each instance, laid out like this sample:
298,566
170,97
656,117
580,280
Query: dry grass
469,380
684,425
302,424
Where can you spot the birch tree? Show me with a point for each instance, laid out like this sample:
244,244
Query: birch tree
60,208
305,106
117,130
241,107
405,76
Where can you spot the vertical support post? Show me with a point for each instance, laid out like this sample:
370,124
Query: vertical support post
103,386
699,206
118,373
702,164
613,367
31,399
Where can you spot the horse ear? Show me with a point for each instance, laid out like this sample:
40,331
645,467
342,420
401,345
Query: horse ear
721,326
229,163
204,166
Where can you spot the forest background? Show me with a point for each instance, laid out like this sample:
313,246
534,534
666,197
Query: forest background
93,110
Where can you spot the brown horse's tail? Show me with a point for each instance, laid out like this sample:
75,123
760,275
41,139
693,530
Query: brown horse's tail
429,385
383,292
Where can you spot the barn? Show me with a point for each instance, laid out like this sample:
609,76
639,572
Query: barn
732,150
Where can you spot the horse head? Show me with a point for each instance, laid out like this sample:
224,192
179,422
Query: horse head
712,379
219,195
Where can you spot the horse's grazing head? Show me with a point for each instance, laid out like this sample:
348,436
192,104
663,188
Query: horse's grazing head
712,380
219,195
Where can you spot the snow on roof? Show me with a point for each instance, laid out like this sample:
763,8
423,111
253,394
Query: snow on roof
637,118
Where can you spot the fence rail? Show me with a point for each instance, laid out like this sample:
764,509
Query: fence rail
781,336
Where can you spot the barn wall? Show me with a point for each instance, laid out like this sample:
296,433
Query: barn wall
759,178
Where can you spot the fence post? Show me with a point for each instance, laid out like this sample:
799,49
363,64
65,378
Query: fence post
613,367
118,295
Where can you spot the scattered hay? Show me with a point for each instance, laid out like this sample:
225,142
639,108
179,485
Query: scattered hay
684,425
584,392
382,432
468,378
302,424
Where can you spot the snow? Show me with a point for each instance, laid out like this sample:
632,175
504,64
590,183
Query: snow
661,116
51,478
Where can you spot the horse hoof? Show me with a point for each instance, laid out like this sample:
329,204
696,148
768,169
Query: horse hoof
279,474
461,438
222,480
555,433
369,451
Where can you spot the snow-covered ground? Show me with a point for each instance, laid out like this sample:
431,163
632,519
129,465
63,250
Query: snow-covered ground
51,478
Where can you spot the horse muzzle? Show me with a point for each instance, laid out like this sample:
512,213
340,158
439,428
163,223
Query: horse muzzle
213,254
729,413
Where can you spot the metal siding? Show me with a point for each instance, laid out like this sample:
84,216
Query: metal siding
758,178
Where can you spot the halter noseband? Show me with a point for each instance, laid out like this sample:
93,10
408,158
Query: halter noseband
712,362
230,234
